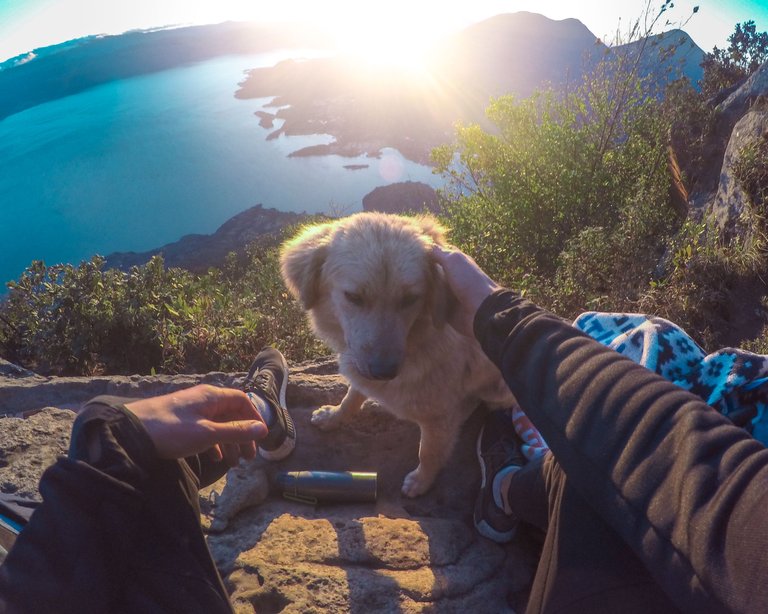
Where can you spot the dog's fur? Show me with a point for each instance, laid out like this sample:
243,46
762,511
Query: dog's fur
376,296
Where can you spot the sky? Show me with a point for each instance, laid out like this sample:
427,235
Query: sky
28,24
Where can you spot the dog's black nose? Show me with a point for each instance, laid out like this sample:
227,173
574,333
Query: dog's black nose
384,369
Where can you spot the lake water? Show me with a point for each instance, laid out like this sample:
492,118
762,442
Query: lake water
137,163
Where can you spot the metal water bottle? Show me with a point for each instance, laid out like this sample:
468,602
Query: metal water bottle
327,486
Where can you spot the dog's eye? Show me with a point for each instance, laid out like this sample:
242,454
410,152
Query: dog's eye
408,300
355,299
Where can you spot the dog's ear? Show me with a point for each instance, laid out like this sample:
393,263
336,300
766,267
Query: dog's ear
430,227
441,301
301,263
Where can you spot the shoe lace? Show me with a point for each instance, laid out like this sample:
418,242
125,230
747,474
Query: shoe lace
260,382
499,454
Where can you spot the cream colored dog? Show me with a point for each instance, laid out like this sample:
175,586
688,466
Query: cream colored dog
375,295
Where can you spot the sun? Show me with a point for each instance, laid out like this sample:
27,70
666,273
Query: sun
385,48
385,38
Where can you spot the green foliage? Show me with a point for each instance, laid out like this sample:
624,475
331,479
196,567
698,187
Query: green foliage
751,171
566,194
567,197
723,68
705,276
693,123
84,320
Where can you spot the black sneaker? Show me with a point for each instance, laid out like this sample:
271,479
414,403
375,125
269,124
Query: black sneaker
268,379
498,448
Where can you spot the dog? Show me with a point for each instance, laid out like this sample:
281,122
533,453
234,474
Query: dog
376,296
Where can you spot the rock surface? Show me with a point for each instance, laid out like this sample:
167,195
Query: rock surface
404,197
198,253
394,555
742,116
730,200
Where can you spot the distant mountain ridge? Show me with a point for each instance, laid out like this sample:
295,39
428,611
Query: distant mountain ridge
509,53
40,52
686,59
519,52
198,252
516,54
74,66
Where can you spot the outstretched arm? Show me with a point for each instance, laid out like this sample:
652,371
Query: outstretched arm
683,487
221,421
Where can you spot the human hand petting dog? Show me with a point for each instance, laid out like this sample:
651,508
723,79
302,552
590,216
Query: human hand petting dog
222,421
469,283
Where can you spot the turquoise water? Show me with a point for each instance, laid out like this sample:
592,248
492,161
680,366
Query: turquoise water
134,164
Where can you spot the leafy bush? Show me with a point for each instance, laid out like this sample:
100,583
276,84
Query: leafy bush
84,320
693,126
723,68
707,278
567,196
751,171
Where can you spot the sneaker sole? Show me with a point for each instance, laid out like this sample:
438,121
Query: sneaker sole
289,443
283,450
488,531
482,526
478,451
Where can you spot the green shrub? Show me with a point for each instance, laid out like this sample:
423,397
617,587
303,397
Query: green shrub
568,197
83,320
751,171
723,68
705,279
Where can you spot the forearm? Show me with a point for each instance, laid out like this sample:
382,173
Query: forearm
683,487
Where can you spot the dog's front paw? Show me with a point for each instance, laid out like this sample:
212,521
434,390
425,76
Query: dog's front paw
416,483
328,417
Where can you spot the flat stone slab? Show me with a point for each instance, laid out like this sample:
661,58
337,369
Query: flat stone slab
394,555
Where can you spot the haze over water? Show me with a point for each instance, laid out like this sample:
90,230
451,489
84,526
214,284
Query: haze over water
137,163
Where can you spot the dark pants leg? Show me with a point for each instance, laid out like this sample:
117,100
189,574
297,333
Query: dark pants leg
584,565
118,530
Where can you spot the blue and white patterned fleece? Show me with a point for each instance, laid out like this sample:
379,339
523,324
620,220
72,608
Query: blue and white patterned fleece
732,381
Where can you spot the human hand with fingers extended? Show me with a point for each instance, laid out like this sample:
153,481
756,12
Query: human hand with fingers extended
220,421
469,284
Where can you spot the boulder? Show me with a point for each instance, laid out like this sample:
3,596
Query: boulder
403,197
738,102
731,200
740,117
29,445
199,252
278,555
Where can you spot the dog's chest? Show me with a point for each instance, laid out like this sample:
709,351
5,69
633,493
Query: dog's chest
409,403
420,392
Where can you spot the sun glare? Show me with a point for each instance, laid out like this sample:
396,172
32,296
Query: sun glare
384,40
389,49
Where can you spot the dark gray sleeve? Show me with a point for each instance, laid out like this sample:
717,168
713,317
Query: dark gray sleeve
68,556
118,529
685,488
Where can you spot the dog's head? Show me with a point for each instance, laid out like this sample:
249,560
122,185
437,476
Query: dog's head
371,286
